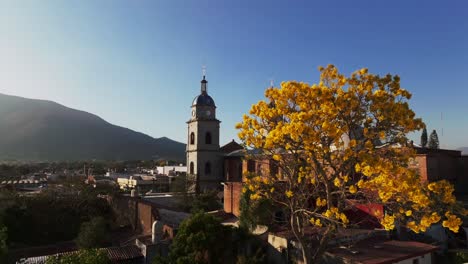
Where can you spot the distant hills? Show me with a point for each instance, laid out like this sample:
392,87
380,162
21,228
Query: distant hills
464,150
38,130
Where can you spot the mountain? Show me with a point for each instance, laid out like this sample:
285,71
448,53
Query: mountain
39,130
464,150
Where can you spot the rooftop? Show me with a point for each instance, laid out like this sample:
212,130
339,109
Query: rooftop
377,251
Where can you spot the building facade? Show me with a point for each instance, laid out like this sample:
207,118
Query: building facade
204,159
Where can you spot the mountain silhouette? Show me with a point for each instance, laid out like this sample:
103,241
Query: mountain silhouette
40,130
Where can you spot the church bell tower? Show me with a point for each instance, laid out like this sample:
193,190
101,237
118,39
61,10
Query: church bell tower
204,160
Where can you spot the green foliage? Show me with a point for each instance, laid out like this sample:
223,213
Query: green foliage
52,216
253,213
202,202
461,257
198,240
433,140
424,138
203,239
93,234
3,242
258,258
206,202
452,257
88,256
179,184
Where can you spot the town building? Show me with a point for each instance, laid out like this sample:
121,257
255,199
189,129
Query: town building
169,170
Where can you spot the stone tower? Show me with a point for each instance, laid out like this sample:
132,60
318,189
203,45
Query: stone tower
204,160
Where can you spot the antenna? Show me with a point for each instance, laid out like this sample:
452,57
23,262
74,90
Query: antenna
204,70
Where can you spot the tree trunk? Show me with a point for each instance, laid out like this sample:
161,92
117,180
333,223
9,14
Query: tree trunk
296,229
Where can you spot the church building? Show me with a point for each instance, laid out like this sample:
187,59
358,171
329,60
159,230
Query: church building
204,158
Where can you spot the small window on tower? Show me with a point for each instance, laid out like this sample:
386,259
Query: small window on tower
192,138
208,168
208,138
191,168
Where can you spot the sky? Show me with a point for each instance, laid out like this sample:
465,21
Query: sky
138,64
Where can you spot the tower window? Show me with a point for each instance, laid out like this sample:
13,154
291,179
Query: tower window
191,168
192,138
208,168
208,138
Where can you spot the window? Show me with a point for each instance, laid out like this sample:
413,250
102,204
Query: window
415,261
208,138
191,168
208,168
251,166
273,168
192,138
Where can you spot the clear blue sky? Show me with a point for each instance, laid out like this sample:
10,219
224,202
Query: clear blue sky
138,63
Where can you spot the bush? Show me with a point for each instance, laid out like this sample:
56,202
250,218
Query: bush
253,213
3,243
93,234
40,219
203,239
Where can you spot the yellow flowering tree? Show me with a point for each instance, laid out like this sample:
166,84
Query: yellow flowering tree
341,139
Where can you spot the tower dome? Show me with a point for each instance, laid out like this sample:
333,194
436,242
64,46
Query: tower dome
203,99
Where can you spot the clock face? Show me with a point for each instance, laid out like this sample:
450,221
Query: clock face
193,112
208,113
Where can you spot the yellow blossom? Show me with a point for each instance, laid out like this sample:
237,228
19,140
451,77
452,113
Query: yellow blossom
453,222
357,167
388,222
337,182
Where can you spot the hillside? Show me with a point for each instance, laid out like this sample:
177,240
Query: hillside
39,130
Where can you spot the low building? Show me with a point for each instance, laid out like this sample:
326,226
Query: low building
170,170
145,184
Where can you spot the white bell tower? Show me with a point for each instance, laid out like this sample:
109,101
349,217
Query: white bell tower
204,160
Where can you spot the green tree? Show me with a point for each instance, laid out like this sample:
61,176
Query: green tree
433,140
206,202
198,240
254,212
203,239
92,234
88,256
3,242
424,138
50,210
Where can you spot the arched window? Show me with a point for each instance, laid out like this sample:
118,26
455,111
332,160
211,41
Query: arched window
191,168
208,138
192,138
208,168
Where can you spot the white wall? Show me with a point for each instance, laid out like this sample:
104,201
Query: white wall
166,169
425,259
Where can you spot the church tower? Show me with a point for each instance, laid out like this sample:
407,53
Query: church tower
204,160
